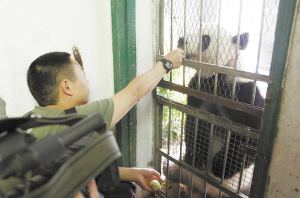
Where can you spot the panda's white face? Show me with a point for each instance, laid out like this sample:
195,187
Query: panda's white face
214,50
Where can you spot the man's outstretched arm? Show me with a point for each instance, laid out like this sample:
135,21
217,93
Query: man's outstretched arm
141,85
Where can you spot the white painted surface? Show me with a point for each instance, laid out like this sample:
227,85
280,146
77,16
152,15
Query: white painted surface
31,28
145,61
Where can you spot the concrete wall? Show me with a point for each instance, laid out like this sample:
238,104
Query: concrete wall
145,39
31,28
284,169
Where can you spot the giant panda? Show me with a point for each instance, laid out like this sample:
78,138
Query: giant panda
226,57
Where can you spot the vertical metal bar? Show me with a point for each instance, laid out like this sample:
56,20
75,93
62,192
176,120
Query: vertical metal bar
253,92
157,28
216,84
199,80
183,70
210,148
159,108
200,30
168,152
209,156
159,120
196,121
158,35
194,152
218,48
237,49
192,184
171,35
198,88
183,73
184,29
238,35
180,157
226,153
225,158
161,27
242,168
258,53
199,71
184,41
216,77
220,194
200,43
205,189
167,177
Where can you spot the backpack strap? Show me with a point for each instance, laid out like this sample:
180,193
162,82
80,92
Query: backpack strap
71,110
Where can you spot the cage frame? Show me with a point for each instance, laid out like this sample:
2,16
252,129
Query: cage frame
269,114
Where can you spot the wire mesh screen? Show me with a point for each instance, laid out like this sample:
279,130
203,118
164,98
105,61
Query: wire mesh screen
212,106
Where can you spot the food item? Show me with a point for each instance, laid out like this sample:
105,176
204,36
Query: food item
156,184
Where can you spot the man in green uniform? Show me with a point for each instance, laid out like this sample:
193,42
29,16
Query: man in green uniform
58,82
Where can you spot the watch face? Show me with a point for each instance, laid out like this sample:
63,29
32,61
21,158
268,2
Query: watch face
168,65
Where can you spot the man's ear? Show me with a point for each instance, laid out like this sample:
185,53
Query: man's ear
66,87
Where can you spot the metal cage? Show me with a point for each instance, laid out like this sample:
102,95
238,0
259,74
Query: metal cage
193,141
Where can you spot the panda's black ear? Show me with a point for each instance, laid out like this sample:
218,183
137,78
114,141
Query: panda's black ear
205,42
244,39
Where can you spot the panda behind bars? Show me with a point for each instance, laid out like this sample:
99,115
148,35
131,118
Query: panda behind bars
227,53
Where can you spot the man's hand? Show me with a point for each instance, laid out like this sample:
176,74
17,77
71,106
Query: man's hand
175,57
145,176
141,176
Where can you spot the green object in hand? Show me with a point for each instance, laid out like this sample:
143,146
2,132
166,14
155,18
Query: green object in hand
156,184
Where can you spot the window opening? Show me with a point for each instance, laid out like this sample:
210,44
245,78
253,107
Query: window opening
212,106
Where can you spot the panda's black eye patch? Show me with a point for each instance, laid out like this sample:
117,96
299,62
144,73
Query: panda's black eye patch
205,42
181,42
244,39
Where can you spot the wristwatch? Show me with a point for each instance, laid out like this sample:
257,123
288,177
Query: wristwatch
168,65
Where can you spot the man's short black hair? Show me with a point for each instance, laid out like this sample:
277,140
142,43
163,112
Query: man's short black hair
45,74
